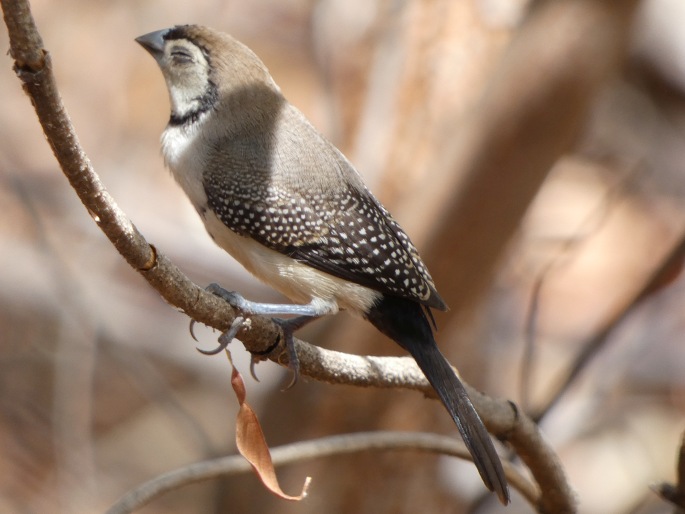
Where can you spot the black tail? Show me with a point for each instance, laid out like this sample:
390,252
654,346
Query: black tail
405,322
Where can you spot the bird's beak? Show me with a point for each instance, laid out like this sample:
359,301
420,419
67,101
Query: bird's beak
153,42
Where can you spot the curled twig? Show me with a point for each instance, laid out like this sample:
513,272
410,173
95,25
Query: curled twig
308,450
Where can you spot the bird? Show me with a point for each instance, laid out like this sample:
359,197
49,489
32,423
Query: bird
288,205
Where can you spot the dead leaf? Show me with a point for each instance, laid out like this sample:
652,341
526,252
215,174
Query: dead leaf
252,445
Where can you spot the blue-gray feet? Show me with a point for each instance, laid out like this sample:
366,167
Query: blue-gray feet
304,314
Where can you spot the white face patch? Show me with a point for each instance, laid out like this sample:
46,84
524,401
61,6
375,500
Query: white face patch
186,71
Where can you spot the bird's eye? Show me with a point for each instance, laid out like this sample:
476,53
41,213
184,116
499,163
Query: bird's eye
181,56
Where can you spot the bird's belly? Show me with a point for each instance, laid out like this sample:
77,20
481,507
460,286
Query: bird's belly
297,281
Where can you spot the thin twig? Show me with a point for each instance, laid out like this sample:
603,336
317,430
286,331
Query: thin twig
308,450
662,275
591,224
529,339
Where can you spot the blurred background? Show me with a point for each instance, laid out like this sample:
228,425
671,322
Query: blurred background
100,385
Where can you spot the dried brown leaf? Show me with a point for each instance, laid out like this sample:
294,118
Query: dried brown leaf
252,445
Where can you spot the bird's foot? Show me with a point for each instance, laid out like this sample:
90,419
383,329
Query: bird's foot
288,328
226,338
304,314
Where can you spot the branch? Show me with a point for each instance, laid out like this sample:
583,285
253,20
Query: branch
669,269
308,450
34,68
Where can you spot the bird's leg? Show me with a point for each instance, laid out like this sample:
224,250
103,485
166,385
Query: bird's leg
314,309
289,326
304,314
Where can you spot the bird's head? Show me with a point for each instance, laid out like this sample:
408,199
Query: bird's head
202,66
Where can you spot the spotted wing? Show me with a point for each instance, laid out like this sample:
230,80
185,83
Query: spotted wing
307,201
365,245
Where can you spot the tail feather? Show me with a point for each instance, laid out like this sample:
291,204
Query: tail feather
457,402
405,322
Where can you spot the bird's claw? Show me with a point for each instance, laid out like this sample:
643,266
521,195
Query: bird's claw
288,326
253,362
192,331
226,338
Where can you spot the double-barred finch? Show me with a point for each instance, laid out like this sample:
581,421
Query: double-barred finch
285,203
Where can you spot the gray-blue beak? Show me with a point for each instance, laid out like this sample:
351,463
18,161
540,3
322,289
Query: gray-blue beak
153,42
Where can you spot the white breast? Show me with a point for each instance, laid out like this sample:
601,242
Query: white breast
183,155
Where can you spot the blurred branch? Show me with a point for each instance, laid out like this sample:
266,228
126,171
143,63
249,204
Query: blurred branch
73,367
662,276
156,389
33,67
308,450
564,253
533,110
